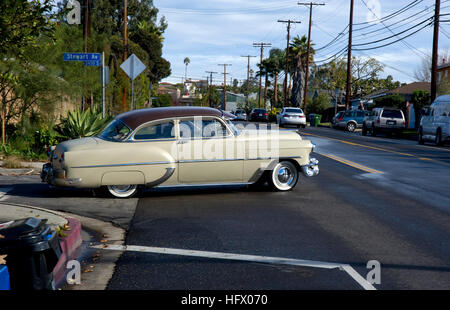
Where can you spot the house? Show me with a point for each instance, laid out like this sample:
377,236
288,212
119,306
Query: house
233,101
170,89
405,90
443,73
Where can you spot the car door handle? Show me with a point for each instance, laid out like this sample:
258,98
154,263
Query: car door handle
182,141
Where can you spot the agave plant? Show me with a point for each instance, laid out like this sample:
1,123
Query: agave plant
80,124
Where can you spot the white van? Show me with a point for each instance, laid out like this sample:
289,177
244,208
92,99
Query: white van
435,123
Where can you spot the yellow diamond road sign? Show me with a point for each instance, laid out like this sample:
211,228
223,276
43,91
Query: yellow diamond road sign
133,66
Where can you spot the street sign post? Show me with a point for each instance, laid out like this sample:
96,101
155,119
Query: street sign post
92,60
133,66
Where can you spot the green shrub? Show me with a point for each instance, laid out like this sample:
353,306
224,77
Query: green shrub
80,124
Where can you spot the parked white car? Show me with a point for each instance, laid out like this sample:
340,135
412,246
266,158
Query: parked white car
291,116
435,122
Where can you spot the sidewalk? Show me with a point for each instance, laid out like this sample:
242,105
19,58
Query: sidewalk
97,266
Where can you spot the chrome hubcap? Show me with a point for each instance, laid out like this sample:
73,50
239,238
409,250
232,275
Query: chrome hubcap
284,175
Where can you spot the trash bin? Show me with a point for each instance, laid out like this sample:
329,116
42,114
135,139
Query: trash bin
317,119
32,250
311,119
4,278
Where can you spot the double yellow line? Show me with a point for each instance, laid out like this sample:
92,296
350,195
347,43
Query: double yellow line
351,163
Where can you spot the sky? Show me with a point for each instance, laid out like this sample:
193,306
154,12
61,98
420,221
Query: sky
212,32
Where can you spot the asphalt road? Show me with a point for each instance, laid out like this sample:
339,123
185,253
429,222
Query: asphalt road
375,199
379,198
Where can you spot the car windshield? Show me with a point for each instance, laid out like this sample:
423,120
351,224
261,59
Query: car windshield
115,131
232,127
392,114
293,111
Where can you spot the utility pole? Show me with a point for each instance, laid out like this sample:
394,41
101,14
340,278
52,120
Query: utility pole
349,59
125,51
248,76
434,60
286,70
308,55
225,84
209,85
261,46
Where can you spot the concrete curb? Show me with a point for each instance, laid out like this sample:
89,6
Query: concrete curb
70,246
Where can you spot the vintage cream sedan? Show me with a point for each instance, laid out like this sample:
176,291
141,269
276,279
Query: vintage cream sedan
179,146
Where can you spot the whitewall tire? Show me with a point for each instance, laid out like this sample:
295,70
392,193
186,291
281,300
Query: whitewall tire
122,191
284,176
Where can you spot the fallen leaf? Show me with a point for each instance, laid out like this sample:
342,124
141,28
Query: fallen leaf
2,259
103,240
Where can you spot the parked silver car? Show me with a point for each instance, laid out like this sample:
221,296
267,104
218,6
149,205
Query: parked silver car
241,115
291,116
388,120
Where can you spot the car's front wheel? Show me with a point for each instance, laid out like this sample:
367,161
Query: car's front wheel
122,191
284,176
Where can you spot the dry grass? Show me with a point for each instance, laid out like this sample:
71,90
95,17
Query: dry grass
12,162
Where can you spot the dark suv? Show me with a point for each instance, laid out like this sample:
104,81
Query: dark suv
258,115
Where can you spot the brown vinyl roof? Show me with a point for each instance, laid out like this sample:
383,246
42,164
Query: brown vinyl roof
137,117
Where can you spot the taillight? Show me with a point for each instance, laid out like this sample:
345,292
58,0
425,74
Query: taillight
265,114
302,116
340,118
62,156
378,120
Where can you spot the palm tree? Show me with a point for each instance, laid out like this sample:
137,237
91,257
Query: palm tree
186,61
277,60
298,53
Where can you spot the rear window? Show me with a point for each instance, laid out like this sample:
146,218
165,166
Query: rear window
260,111
293,111
392,113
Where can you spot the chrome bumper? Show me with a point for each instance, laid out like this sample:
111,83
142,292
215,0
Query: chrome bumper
57,177
312,168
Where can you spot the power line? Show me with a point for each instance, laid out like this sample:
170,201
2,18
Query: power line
310,4
412,48
261,45
288,22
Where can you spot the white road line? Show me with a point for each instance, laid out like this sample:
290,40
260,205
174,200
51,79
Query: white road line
3,192
242,257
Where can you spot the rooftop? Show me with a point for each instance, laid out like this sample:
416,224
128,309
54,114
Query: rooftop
137,117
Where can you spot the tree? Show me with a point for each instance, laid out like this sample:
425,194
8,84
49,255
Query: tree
21,23
298,52
277,64
186,62
423,71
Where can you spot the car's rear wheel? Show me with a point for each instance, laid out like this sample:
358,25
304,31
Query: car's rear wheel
122,191
373,131
284,176
351,127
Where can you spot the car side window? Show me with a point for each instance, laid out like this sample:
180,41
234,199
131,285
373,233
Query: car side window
213,128
360,113
348,114
157,131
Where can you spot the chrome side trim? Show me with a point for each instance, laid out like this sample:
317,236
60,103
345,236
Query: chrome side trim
184,161
130,164
207,160
204,185
165,177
